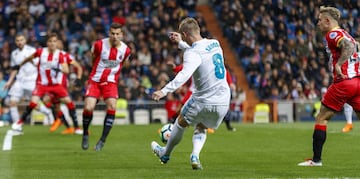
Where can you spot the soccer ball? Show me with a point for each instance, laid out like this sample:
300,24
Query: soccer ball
165,132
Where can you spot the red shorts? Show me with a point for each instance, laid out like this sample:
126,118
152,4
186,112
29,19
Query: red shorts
346,91
104,89
56,90
54,99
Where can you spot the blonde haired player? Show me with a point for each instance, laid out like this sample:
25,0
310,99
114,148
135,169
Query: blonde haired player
341,47
209,102
176,37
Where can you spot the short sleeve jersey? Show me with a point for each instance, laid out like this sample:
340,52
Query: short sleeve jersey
351,66
47,63
108,60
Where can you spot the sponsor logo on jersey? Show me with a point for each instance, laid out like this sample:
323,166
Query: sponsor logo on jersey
110,63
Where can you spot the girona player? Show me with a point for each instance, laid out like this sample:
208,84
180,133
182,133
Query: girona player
51,65
109,55
53,100
345,87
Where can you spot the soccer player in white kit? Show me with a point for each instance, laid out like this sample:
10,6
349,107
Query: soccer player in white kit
22,82
210,100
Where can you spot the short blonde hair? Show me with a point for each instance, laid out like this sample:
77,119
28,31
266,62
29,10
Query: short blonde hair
189,25
332,12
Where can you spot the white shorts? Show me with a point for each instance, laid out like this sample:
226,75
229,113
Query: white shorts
21,90
209,115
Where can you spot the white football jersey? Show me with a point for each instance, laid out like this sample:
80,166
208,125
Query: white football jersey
204,62
27,72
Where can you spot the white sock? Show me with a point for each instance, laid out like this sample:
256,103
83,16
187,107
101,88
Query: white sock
198,140
14,113
348,110
65,111
44,109
47,112
175,137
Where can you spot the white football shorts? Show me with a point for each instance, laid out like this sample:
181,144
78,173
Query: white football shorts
209,115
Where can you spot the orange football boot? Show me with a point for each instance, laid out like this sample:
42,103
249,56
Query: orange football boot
69,130
347,128
55,125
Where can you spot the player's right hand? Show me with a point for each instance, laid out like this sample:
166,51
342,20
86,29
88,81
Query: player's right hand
175,36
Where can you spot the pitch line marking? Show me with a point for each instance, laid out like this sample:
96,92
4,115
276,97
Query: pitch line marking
7,144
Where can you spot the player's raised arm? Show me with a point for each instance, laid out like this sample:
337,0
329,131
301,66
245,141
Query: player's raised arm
176,37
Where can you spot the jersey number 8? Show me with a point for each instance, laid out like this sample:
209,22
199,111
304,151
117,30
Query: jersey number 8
219,66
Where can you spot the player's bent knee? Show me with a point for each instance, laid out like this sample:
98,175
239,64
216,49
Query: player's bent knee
182,122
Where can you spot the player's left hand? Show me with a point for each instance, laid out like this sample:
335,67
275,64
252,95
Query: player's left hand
339,74
157,95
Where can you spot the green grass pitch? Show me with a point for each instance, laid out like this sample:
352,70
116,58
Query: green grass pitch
253,151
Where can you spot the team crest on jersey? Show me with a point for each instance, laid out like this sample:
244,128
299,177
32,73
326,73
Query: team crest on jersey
333,35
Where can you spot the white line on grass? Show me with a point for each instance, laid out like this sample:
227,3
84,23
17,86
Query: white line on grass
7,145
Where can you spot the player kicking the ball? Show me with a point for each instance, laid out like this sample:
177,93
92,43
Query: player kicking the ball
210,99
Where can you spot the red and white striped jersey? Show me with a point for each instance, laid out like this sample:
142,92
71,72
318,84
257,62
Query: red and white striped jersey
68,58
108,61
351,67
47,62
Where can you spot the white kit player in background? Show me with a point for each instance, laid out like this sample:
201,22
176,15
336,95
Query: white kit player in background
23,82
210,99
